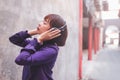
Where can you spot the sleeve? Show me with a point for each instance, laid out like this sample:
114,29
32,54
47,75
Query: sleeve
20,38
30,56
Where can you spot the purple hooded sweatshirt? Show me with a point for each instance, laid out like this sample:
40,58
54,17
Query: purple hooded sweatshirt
38,59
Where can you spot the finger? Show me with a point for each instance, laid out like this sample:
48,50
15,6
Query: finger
52,29
48,31
55,36
55,32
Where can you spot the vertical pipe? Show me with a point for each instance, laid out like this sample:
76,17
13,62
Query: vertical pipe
95,41
103,38
80,37
119,40
90,38
98,38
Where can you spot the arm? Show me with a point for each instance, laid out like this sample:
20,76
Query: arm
20,38
30,56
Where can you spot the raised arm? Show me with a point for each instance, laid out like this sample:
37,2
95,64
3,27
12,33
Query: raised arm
20,37
30,56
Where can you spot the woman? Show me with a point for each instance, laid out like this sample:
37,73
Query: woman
38,55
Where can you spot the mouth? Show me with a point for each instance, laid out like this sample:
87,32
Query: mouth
37,28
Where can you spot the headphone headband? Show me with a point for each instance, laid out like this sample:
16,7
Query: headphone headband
62,28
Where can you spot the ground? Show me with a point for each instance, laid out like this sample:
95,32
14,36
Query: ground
104,66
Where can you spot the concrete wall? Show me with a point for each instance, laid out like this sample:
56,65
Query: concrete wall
17,15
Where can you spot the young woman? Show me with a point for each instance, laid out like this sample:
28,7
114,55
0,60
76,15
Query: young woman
38,55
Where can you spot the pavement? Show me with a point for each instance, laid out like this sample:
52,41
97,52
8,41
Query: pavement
105,65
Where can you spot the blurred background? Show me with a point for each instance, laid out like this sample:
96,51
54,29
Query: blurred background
100,37
18,15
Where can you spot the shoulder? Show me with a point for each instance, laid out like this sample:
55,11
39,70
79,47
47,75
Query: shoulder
50,48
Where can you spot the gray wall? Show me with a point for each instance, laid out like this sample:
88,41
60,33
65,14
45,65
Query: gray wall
17,15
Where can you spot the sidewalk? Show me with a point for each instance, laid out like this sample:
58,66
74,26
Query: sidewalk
104,66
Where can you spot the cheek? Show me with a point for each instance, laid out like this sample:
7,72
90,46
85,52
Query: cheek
46,28
43,29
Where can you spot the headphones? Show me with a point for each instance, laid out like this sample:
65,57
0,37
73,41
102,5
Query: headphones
62,28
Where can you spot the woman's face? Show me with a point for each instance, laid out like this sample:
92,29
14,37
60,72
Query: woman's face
43,26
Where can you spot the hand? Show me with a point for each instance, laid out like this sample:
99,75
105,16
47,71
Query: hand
33,32
48,35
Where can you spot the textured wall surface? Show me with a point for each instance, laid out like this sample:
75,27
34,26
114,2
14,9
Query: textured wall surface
17,15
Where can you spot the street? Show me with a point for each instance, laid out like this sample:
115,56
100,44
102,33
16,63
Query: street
105,65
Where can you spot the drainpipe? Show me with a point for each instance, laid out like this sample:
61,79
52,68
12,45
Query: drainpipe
98,38
95,40
119,39
80,37
90,38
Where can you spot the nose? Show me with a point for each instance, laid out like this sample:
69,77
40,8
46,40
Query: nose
41,23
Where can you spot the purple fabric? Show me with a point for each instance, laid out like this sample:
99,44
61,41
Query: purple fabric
37,59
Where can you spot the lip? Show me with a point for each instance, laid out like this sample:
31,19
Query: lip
37,28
